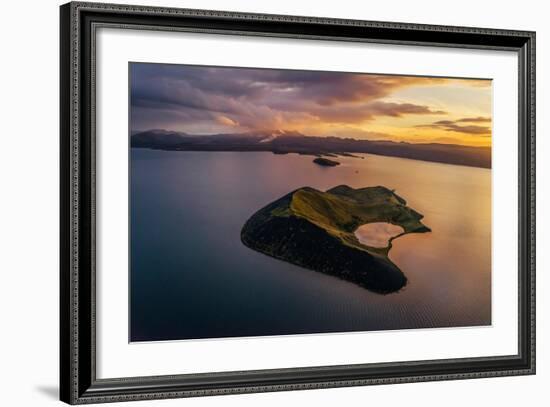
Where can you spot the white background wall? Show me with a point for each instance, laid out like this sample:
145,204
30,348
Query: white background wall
29,163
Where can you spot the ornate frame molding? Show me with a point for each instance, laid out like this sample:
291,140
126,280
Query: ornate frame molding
79,21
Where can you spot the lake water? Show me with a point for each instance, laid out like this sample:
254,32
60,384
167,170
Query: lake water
191,277
377,234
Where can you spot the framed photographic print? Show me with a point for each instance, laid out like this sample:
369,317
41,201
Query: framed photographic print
256,203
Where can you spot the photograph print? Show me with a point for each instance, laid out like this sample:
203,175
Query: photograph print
284,202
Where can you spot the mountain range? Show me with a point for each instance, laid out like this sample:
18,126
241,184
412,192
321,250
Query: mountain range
284,142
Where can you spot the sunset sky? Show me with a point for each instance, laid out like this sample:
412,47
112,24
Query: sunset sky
212,100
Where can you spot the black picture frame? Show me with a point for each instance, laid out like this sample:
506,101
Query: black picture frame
78,382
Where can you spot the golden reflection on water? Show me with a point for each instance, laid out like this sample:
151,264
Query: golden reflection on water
450,266
448,269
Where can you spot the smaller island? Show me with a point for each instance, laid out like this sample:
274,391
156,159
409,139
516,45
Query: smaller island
350,155
325,162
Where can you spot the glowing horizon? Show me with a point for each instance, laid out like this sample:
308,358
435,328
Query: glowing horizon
211,100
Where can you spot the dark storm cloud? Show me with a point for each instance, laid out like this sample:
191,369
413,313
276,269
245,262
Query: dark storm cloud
261,98
453,126
358,113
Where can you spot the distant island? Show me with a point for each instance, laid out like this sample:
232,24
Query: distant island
325,162
315,230
284,142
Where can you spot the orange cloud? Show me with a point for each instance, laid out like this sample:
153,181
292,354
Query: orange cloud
224,120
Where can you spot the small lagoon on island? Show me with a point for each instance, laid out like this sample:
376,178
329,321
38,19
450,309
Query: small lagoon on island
377,234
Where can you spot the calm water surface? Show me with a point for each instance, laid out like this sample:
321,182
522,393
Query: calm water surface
377,234
191,277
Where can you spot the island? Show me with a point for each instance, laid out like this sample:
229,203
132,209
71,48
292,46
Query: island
315,230
325,162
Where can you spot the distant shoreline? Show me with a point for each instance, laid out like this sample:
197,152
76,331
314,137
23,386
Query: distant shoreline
479,157
305,154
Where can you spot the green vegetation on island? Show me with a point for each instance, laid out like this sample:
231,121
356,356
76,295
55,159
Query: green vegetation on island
315,230
325,162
